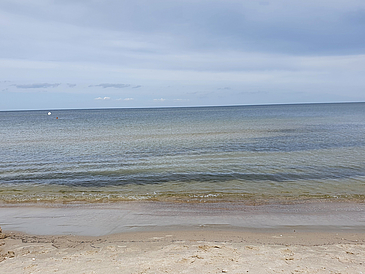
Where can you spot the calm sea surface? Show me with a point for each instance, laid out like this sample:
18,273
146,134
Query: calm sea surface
251,154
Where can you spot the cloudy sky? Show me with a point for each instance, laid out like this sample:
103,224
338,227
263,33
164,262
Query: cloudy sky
150,53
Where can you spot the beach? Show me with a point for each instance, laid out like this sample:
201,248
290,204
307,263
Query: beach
198,238
190,251
182,137
257,189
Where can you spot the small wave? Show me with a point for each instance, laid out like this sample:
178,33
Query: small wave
113,178
245,198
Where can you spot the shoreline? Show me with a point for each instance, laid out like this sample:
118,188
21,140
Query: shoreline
146,237
111,218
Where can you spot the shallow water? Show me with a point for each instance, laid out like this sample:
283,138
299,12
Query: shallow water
105,219
250,154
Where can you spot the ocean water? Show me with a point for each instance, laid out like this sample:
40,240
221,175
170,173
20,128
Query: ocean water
249,154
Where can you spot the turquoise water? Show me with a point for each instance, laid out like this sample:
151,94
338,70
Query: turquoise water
251,154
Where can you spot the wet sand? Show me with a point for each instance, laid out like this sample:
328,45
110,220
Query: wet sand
182,238
104,219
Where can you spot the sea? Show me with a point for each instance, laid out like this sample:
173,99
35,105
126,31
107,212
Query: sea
265,154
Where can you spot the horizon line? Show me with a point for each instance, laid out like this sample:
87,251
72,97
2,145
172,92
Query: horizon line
194,106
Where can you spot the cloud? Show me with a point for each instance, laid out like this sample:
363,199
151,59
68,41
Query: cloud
102,98
43,85
270,26
111,85
125,99
193,46
171,100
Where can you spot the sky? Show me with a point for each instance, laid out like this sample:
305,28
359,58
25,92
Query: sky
57,54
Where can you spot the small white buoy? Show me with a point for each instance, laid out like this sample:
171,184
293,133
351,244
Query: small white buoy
49,113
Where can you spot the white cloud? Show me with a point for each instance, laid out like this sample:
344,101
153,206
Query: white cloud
108,85
159,100
102,98
181,100
128,99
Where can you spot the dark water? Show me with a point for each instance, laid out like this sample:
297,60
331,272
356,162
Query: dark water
243,153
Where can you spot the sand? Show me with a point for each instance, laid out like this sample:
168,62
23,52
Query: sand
112,218
204,251
178,238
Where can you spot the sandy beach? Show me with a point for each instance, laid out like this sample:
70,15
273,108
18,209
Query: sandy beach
204,251
182,238
185,136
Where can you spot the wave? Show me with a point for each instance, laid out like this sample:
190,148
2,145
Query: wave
109,178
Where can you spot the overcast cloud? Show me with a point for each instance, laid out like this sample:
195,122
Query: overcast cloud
186,52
